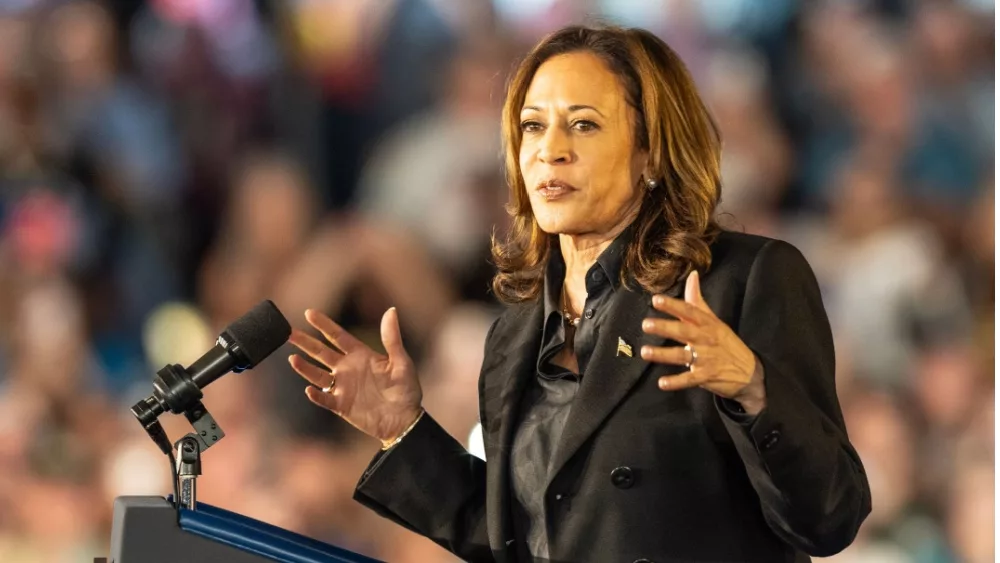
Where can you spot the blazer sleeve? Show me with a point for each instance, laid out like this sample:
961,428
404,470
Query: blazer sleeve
812,487
430,484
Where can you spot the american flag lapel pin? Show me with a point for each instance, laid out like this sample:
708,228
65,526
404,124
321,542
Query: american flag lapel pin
623,348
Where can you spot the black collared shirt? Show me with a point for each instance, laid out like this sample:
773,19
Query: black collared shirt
546,403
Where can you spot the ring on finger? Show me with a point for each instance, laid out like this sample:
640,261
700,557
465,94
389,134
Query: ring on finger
333,383
694,356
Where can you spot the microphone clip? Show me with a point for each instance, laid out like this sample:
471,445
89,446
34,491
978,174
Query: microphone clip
175,391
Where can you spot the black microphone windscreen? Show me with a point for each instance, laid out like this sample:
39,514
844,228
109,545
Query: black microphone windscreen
260,332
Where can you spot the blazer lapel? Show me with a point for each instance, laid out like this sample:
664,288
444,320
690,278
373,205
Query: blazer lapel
509,366
609,375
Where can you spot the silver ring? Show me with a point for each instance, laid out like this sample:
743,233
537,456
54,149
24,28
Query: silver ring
333,383
694,356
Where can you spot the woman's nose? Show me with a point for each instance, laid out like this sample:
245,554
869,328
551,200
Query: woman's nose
555,148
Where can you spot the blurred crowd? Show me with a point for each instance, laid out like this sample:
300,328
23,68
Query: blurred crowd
165,165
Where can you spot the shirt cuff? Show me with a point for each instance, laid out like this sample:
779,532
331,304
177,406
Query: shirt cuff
734,410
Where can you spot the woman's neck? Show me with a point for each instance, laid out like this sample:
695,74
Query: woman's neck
580,252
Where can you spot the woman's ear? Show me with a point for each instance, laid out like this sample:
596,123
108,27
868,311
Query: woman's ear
641,165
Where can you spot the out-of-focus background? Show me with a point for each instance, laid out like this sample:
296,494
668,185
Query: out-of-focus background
165,165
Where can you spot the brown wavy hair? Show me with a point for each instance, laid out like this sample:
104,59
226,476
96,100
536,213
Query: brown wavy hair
675,224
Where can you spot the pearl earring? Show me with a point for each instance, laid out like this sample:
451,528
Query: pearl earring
651,184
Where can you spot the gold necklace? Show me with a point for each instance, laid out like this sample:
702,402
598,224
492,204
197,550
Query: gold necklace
573,321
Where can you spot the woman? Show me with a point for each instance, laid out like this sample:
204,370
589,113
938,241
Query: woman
658,390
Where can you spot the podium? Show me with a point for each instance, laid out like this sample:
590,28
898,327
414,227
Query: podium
149,529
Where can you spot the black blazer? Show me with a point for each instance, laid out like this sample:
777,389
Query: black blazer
650,475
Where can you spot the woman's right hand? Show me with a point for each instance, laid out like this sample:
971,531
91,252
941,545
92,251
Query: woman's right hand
377,394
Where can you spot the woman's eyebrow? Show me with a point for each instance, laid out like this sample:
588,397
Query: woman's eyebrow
572,108
582,107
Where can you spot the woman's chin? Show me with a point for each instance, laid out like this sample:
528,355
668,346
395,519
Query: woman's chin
560,224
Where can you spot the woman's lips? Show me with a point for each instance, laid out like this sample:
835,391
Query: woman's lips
552,190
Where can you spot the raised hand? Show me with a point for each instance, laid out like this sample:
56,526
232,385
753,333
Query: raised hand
378,394
718,359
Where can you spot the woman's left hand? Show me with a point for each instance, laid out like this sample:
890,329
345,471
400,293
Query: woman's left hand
724,364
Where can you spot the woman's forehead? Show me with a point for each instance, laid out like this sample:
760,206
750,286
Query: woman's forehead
575,79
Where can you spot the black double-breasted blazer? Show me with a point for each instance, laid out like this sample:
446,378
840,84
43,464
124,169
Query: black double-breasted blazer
642,474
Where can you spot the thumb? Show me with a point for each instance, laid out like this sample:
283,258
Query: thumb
392,339
692,290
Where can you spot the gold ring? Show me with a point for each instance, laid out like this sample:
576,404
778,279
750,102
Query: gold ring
332,384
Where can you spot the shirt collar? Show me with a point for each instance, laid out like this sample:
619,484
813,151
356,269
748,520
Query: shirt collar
610,261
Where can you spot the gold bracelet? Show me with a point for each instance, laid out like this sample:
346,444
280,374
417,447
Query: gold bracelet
387,445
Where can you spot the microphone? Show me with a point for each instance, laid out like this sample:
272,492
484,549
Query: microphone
241,346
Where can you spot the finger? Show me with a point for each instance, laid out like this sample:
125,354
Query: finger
684,380
692,291
315,348
392,339
679,331
675,355
333,332
311,373
682,309
329,401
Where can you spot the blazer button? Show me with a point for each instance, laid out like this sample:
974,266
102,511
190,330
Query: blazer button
643,560
770,439
622,477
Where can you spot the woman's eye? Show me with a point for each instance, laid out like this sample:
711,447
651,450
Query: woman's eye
584,126
531,126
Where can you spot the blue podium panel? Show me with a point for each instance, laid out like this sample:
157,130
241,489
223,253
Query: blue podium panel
263,539
146,530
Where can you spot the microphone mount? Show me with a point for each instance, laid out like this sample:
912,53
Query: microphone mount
175,391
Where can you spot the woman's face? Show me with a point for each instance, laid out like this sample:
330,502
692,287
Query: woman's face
580,165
